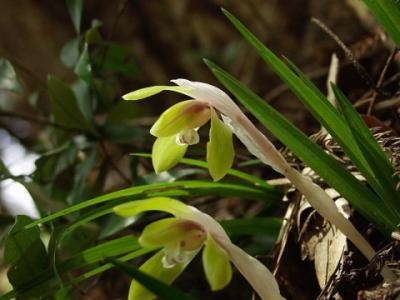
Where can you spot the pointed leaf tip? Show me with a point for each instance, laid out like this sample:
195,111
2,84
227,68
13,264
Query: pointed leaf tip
226,13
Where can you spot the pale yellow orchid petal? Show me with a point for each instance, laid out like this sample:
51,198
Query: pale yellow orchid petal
153,90
216,265
166,153
184,115
165,204
154,267
220,151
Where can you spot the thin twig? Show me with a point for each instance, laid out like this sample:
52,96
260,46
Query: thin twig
381,78
360,69
120,10
14,115
112,164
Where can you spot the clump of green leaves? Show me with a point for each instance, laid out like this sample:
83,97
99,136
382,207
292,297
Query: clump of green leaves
380,206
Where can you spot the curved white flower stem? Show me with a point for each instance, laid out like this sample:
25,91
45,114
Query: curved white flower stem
260,278
259,145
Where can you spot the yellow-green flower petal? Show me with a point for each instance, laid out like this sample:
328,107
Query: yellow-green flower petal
160,233
220,152
188,234
169,205
181,116
216,265
166,153
153,90
154,267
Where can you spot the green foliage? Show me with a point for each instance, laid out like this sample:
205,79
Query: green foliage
75,8
8,77
157,287
382,209
326,166
25,254
126,248
254,180
64,106
382,178
259,226
388,14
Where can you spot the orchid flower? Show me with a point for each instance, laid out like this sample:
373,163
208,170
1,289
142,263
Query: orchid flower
177,127
206,101
181,237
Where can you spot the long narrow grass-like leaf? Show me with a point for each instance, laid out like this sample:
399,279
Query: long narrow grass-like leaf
173,189
327,167
253,226
236,173
388,14
306,91
88,257
154,285
182,188
383,179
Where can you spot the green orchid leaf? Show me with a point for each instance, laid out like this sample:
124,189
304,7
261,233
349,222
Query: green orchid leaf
220,152
216,265
151,91
192,188
254,180
89,257
381,179
164,204
326,166
184,115
387,13
258,226
166,153
154,267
